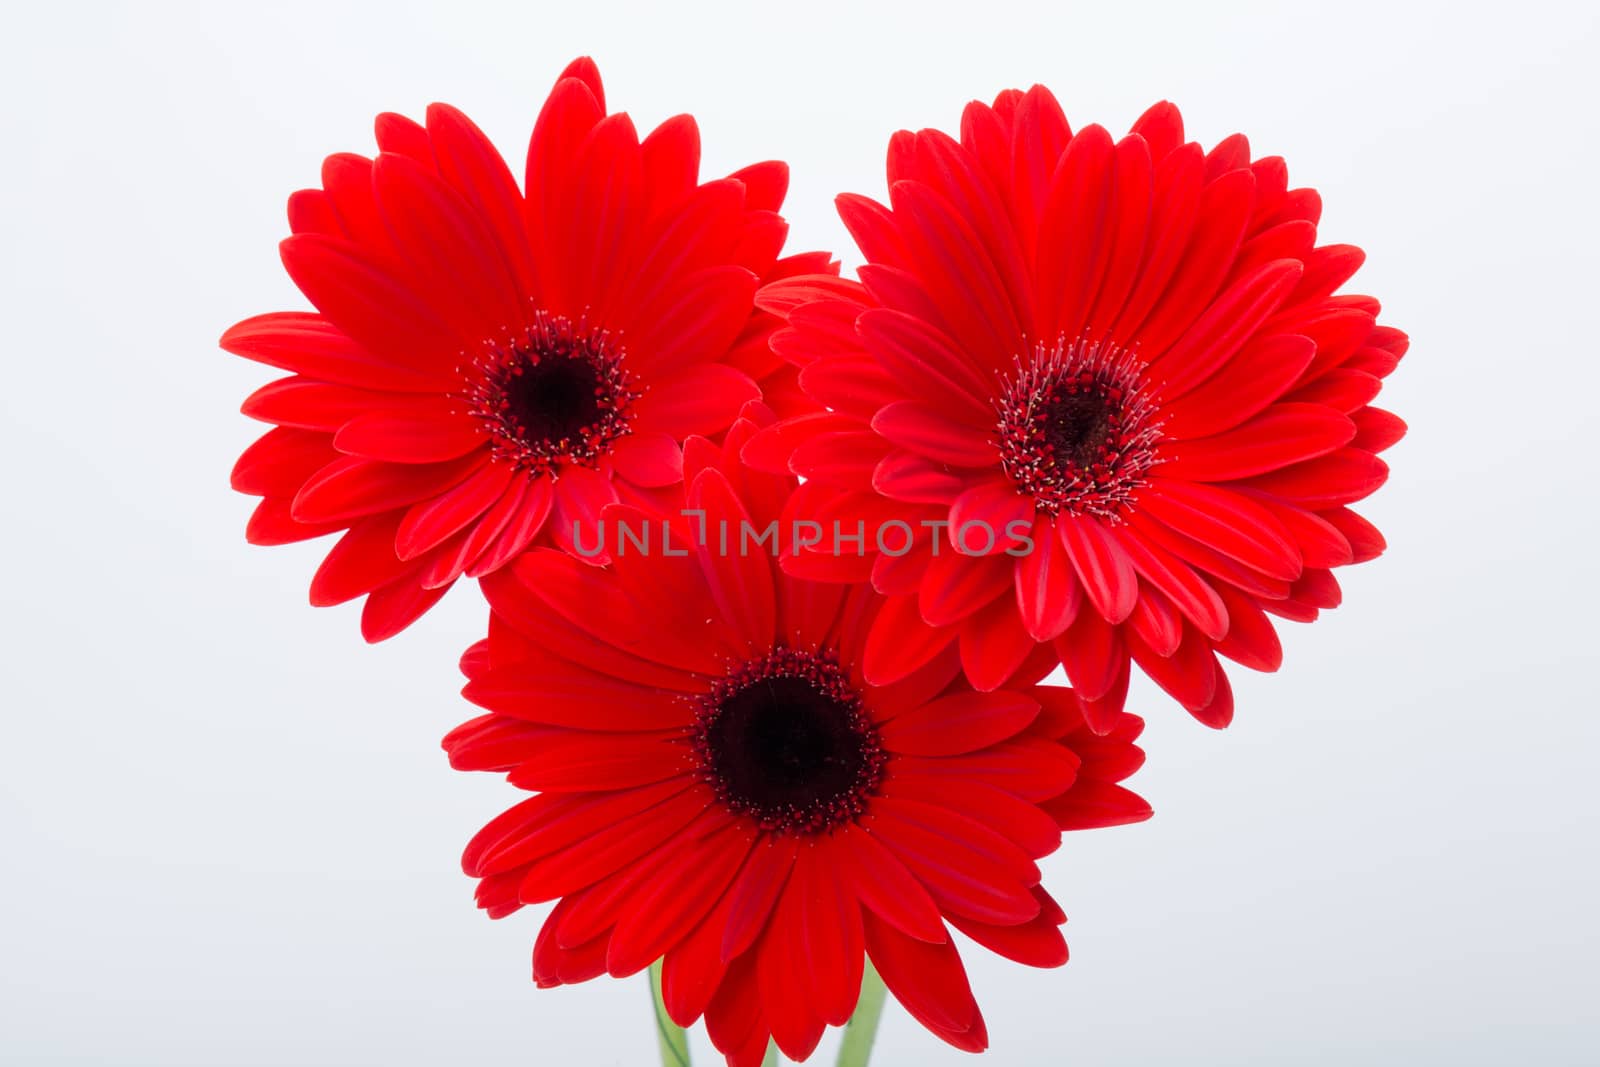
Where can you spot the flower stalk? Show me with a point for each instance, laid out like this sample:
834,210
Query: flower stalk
862,1030
670,1037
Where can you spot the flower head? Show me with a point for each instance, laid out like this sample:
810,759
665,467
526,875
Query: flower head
720,786
488,366
1125,365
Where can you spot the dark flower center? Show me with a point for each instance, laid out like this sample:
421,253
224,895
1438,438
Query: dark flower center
1078,428
784,740
556,394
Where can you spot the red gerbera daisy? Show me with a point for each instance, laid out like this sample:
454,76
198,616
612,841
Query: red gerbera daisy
1122,369
719,785
487,367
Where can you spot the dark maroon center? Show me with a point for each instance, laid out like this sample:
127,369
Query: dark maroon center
558,398
1078,429
785,741
555,394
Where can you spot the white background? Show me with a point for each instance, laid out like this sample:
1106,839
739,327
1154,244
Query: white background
228,834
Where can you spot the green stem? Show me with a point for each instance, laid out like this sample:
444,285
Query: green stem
771,1058
673,1041
856,1048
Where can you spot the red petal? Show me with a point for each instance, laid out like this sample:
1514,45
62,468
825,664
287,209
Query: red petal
1226,325
1036,943
684,890
281,460
361,561
994,645
271,524
959,275
1220,219
734,1020
1162,126
1104,714
1341,389
1188,591
856,385
955,586
308,404
542,825
967,868
520,528
1281,435
1048,593
1092,653
1320,542
1377,429
471,164
1189,675
446,246
1261,373
352,487
311,345
846,460
1031,768
1074,234
580,495
1156,622
962,722
1031,829
1039,135
703,399
693,322
363,300
607,635
769,450
393,607
1251,639
573,761
916,479
609,849
740,582
990,517
694,969
648,459
883,884
1366,541
1222,520
929,981
1090,804
899,641
1218,713
928,362
1105,569
428,524
412,435
558,693
1175,210
754,893
781,969
830,931
928,431
1341,477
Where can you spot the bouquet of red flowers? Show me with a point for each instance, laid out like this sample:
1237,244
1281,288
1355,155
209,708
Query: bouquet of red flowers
780,563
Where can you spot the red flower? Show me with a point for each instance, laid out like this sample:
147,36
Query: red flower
718,784
489,367
1124,361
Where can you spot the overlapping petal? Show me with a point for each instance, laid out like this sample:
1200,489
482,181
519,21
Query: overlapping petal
599,685
438,284
1030,294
